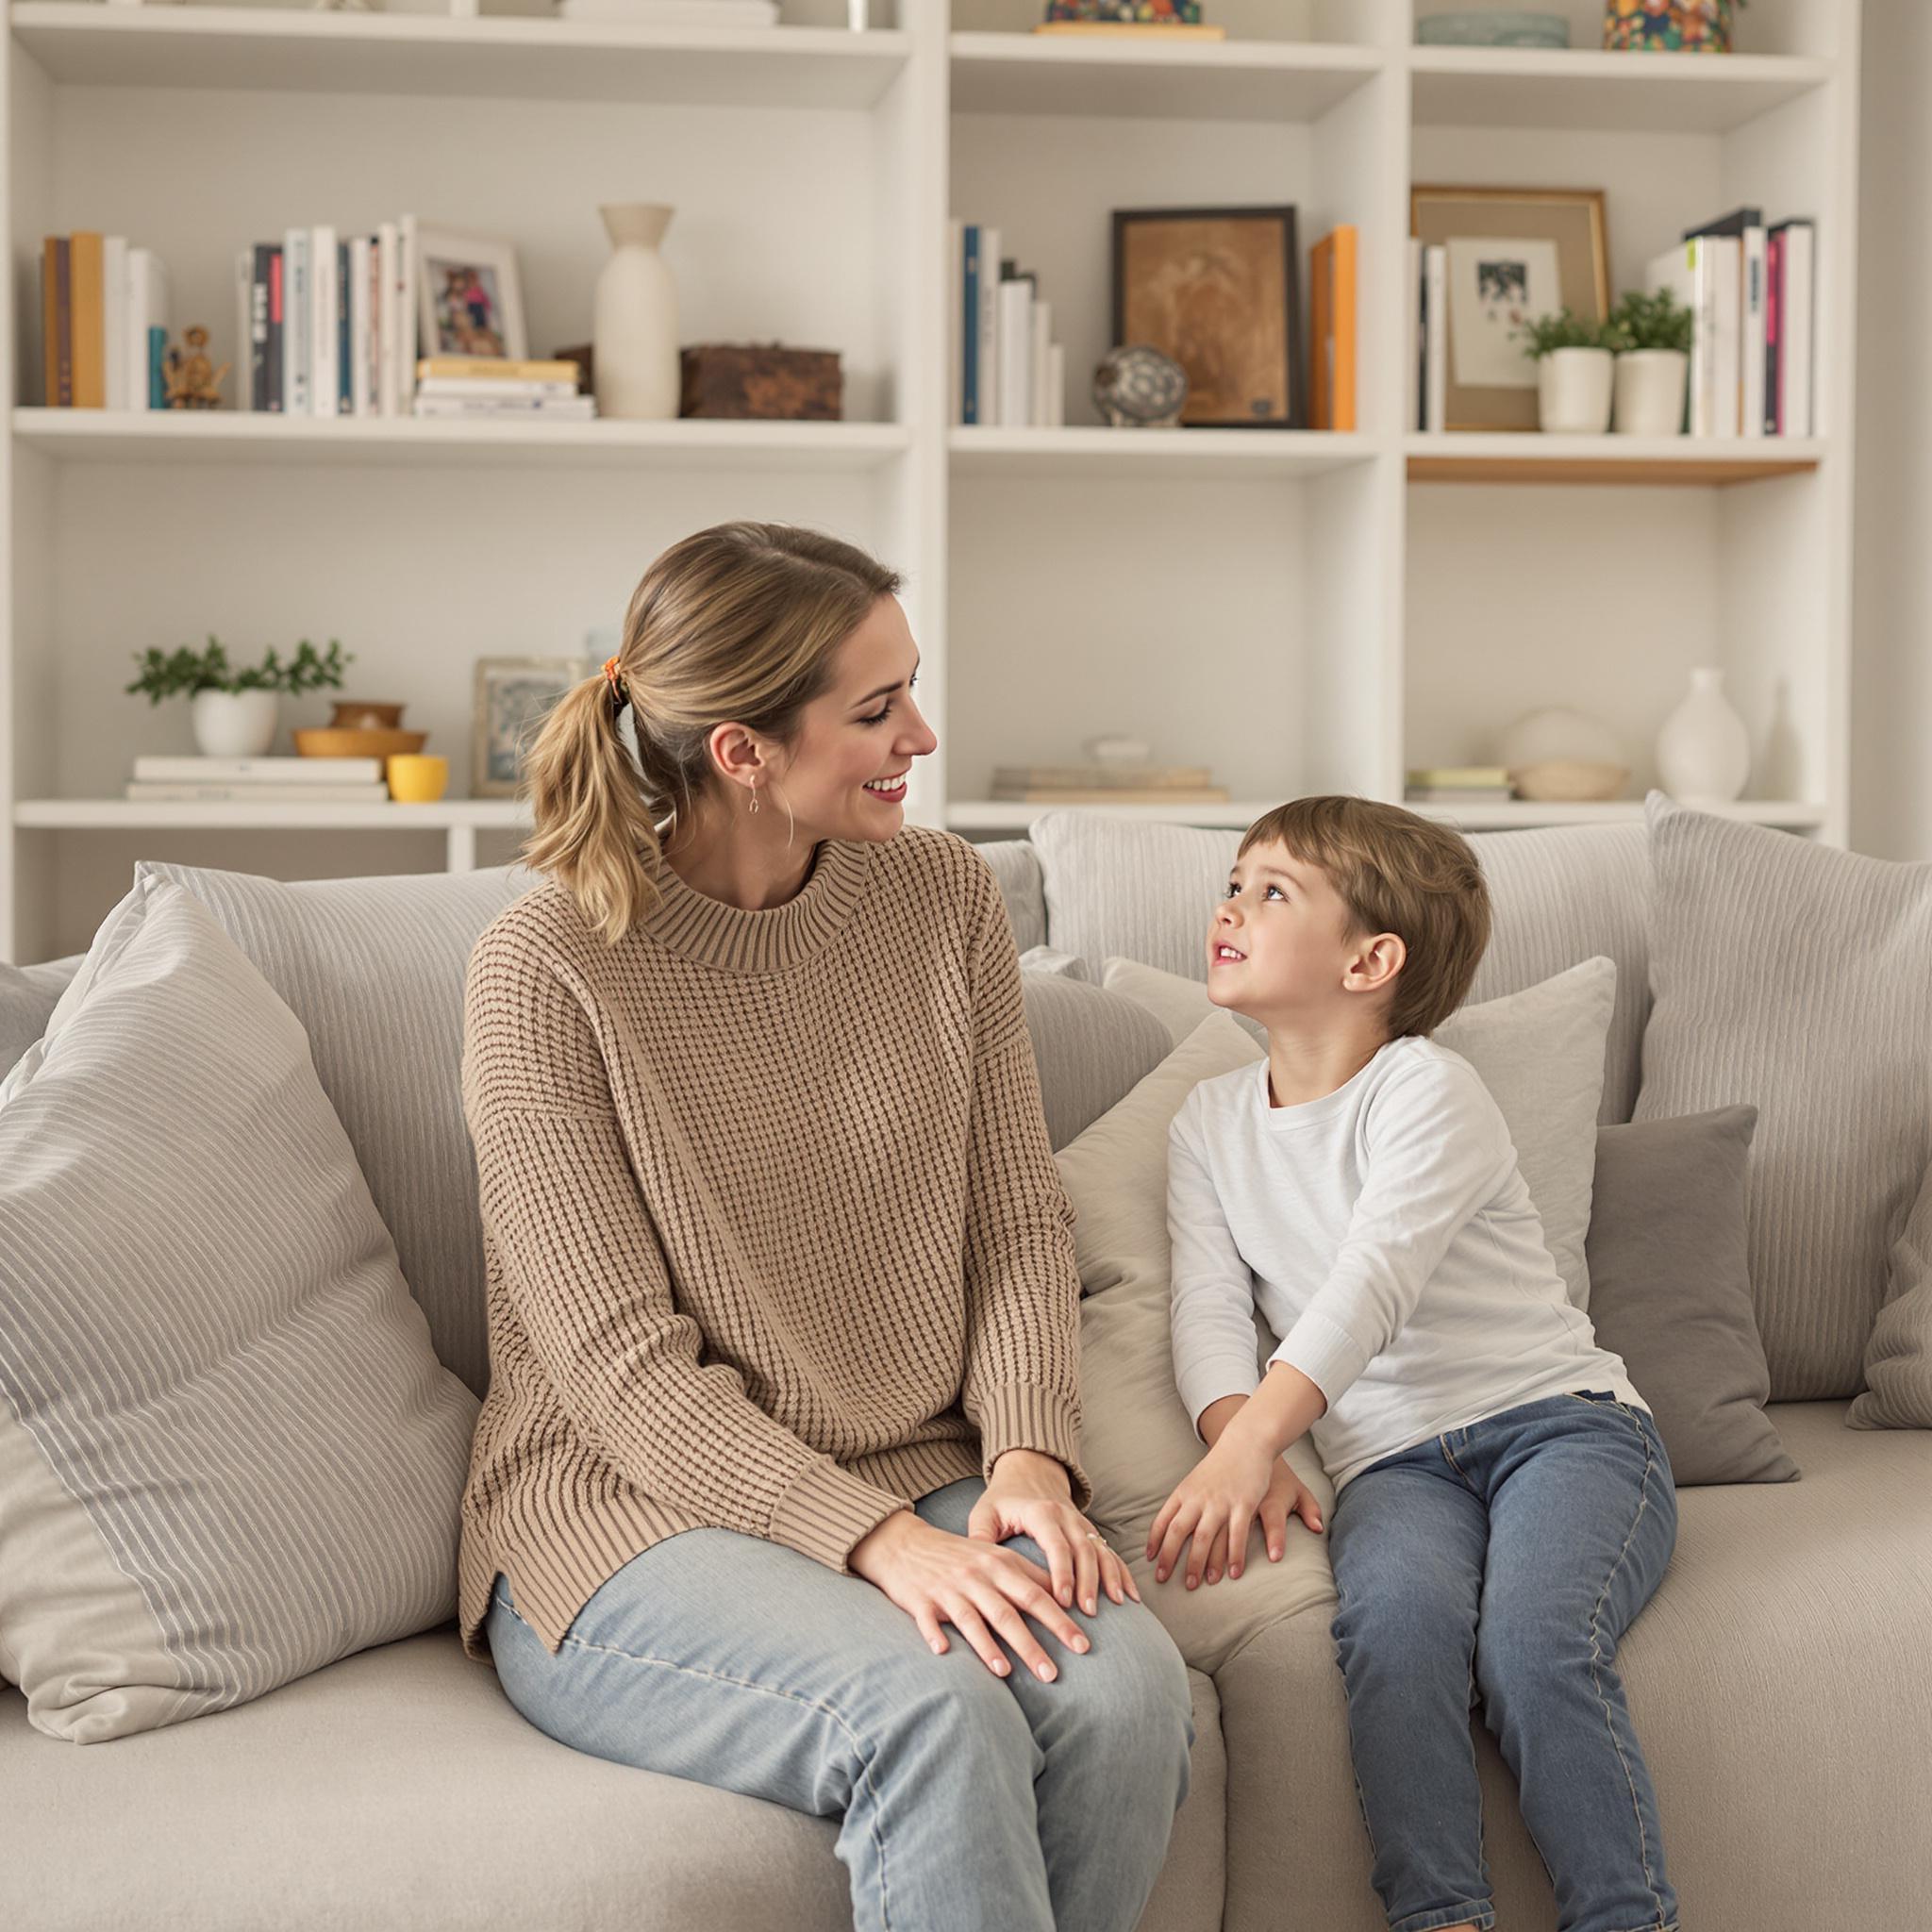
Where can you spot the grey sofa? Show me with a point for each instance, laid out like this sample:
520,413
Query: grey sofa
1780,1679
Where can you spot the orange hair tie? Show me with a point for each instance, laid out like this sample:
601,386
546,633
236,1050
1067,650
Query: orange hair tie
610,678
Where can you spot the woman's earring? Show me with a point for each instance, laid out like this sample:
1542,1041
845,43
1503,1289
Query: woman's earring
754,794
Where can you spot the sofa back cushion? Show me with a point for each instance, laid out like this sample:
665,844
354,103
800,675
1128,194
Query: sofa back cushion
1016,866
26,1003
1559,897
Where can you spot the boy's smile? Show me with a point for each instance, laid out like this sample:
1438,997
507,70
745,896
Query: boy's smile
1281,936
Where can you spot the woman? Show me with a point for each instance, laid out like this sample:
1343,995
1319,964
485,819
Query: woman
783,1306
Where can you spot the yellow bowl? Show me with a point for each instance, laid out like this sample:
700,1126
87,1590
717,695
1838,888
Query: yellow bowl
417,778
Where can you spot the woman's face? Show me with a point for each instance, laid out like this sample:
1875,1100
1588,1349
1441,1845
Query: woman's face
865,727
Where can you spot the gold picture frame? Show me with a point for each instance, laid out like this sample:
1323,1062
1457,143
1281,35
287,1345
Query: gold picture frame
1554,253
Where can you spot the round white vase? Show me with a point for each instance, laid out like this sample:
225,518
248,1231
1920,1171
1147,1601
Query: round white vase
634,326
234,723
1650,391
1573,391
1704,751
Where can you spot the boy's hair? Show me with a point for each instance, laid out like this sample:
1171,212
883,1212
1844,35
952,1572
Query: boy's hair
1395,871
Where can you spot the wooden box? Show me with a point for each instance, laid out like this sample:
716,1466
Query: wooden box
760,379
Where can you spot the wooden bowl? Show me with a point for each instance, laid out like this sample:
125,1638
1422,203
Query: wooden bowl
324,743
1569,781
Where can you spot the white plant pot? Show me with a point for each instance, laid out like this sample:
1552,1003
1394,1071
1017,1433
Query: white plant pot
1573,391
1704,751
634,326
234,723
1650,391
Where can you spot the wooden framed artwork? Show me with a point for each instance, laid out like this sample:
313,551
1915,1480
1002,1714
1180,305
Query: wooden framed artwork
512,698
1218,290
1512,253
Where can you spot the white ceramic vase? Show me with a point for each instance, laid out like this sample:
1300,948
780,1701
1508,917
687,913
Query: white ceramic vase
634,327
234,723
1703,751
1573,391
1650,391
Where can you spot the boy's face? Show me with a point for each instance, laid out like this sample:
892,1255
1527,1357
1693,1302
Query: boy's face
1292,932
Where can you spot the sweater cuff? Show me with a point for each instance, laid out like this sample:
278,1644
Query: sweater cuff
1025,1415
1324,1352
828,1511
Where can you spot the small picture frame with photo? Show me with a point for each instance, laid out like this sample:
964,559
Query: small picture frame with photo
512,698
468,299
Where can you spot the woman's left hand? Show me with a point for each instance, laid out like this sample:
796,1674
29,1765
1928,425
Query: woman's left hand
1029,1496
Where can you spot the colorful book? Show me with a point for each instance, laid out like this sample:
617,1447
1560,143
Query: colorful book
1332,280
90,357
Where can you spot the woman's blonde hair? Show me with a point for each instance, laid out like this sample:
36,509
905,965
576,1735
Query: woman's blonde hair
741,622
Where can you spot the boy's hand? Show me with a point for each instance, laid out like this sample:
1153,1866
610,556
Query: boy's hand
1216,1505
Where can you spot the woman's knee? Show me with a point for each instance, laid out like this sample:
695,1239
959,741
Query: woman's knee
1130,1692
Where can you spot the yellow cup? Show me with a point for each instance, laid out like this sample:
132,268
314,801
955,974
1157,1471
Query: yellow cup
417,778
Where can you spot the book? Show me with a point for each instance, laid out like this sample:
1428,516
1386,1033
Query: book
1774,330
114,386
275,379
1413,339
404,293
1732,224
147,330
1751,399
1796,404
969,325
345,374
1016,351
1100,776
1212,794
324,373
1437,777
50,322
1726,254
988,363
1038,359
165,768
1332,285
298,336
63,263
387,244
360,321
567,408
501,368
509,387
1436,298
1458,795
1056,387
89,363
259,793
955,276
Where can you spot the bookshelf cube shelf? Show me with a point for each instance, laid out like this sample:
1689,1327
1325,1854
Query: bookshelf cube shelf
1299,609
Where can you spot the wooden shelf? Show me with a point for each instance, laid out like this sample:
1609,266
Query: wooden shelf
501,57
229,436
1459,456
1189,453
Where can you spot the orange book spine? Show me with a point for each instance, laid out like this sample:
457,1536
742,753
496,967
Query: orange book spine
1342,297
89,351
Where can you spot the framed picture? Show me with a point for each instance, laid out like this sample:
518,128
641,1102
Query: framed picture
1512,253
513,696
1216,288
468,300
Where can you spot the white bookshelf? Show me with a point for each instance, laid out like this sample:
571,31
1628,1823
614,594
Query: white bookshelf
1301,611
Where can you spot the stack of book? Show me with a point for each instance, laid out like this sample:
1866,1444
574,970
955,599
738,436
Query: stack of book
104,323
1005,370
497,386
1459,785
1106,783
260,781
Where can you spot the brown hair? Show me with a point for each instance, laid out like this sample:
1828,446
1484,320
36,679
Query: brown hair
738,623
1398,873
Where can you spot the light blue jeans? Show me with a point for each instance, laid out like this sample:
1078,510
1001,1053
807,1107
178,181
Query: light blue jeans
967,1801
1506,1560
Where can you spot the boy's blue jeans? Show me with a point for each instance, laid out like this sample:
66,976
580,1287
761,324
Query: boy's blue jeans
1506,1560
967,1801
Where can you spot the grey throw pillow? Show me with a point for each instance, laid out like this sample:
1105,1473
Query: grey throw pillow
1670,1290
1090,1047
27,994
1898,1364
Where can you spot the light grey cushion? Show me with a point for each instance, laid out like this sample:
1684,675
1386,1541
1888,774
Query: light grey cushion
1558,897
1044,959
1090,1046
373,970
228,1454
1671,1291
1798,980
27,999
1016,866
1898,1364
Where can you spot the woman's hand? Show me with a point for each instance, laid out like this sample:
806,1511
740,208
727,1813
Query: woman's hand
1217,1502
1029,1495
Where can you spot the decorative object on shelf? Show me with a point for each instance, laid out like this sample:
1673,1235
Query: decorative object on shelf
1505,29
416,777
1115,748
1677,26
191,380
234,710
1650,334
346,6
761,379
1179,18
469,300
497,386
1704,751
1511,253
512,697
758,13
634,325
1218,288
1572,373
1560,756
585,359
364,741
1459,785
1138,387
365,714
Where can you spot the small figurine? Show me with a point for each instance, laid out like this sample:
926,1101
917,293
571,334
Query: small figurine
190,386
1138,386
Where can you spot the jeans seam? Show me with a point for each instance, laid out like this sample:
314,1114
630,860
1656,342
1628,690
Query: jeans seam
866,1751
1456,1466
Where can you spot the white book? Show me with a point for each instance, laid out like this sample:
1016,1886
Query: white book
1436,406
1056,387
244,329
1727,254
956,300
1042,349
497,386
256,792
114,321
165,768
326,374
361,249
1016,353
407,271
1672,270
143,292
568,408
387,244
1751,394
1703,260
989,326
1412,339
297,335
1795,373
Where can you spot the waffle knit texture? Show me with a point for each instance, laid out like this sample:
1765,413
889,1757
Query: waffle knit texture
774,1236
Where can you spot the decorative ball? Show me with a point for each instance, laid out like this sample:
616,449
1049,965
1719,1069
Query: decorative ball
1139,387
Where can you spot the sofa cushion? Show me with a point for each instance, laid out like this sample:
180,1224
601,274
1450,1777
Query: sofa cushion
1898,1363
228,1454
26,1001
1090,1046
400,1789
373,970
1114,885
1016,866
1670,1290
1797,978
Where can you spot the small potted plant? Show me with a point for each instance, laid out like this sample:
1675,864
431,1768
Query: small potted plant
234,710
1572,374
1650,334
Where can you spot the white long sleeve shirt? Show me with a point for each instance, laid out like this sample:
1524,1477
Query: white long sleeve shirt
1386,1235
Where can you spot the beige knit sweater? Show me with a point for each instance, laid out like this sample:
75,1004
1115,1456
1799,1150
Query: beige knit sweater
774,1238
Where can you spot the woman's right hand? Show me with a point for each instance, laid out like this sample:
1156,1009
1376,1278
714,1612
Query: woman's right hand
978,1587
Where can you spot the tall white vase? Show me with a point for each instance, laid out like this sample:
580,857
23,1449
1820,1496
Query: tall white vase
1703,751
634,327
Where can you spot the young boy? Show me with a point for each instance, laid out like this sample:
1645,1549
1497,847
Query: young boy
1360,1187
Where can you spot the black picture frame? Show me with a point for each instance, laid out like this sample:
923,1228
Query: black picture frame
1282,218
